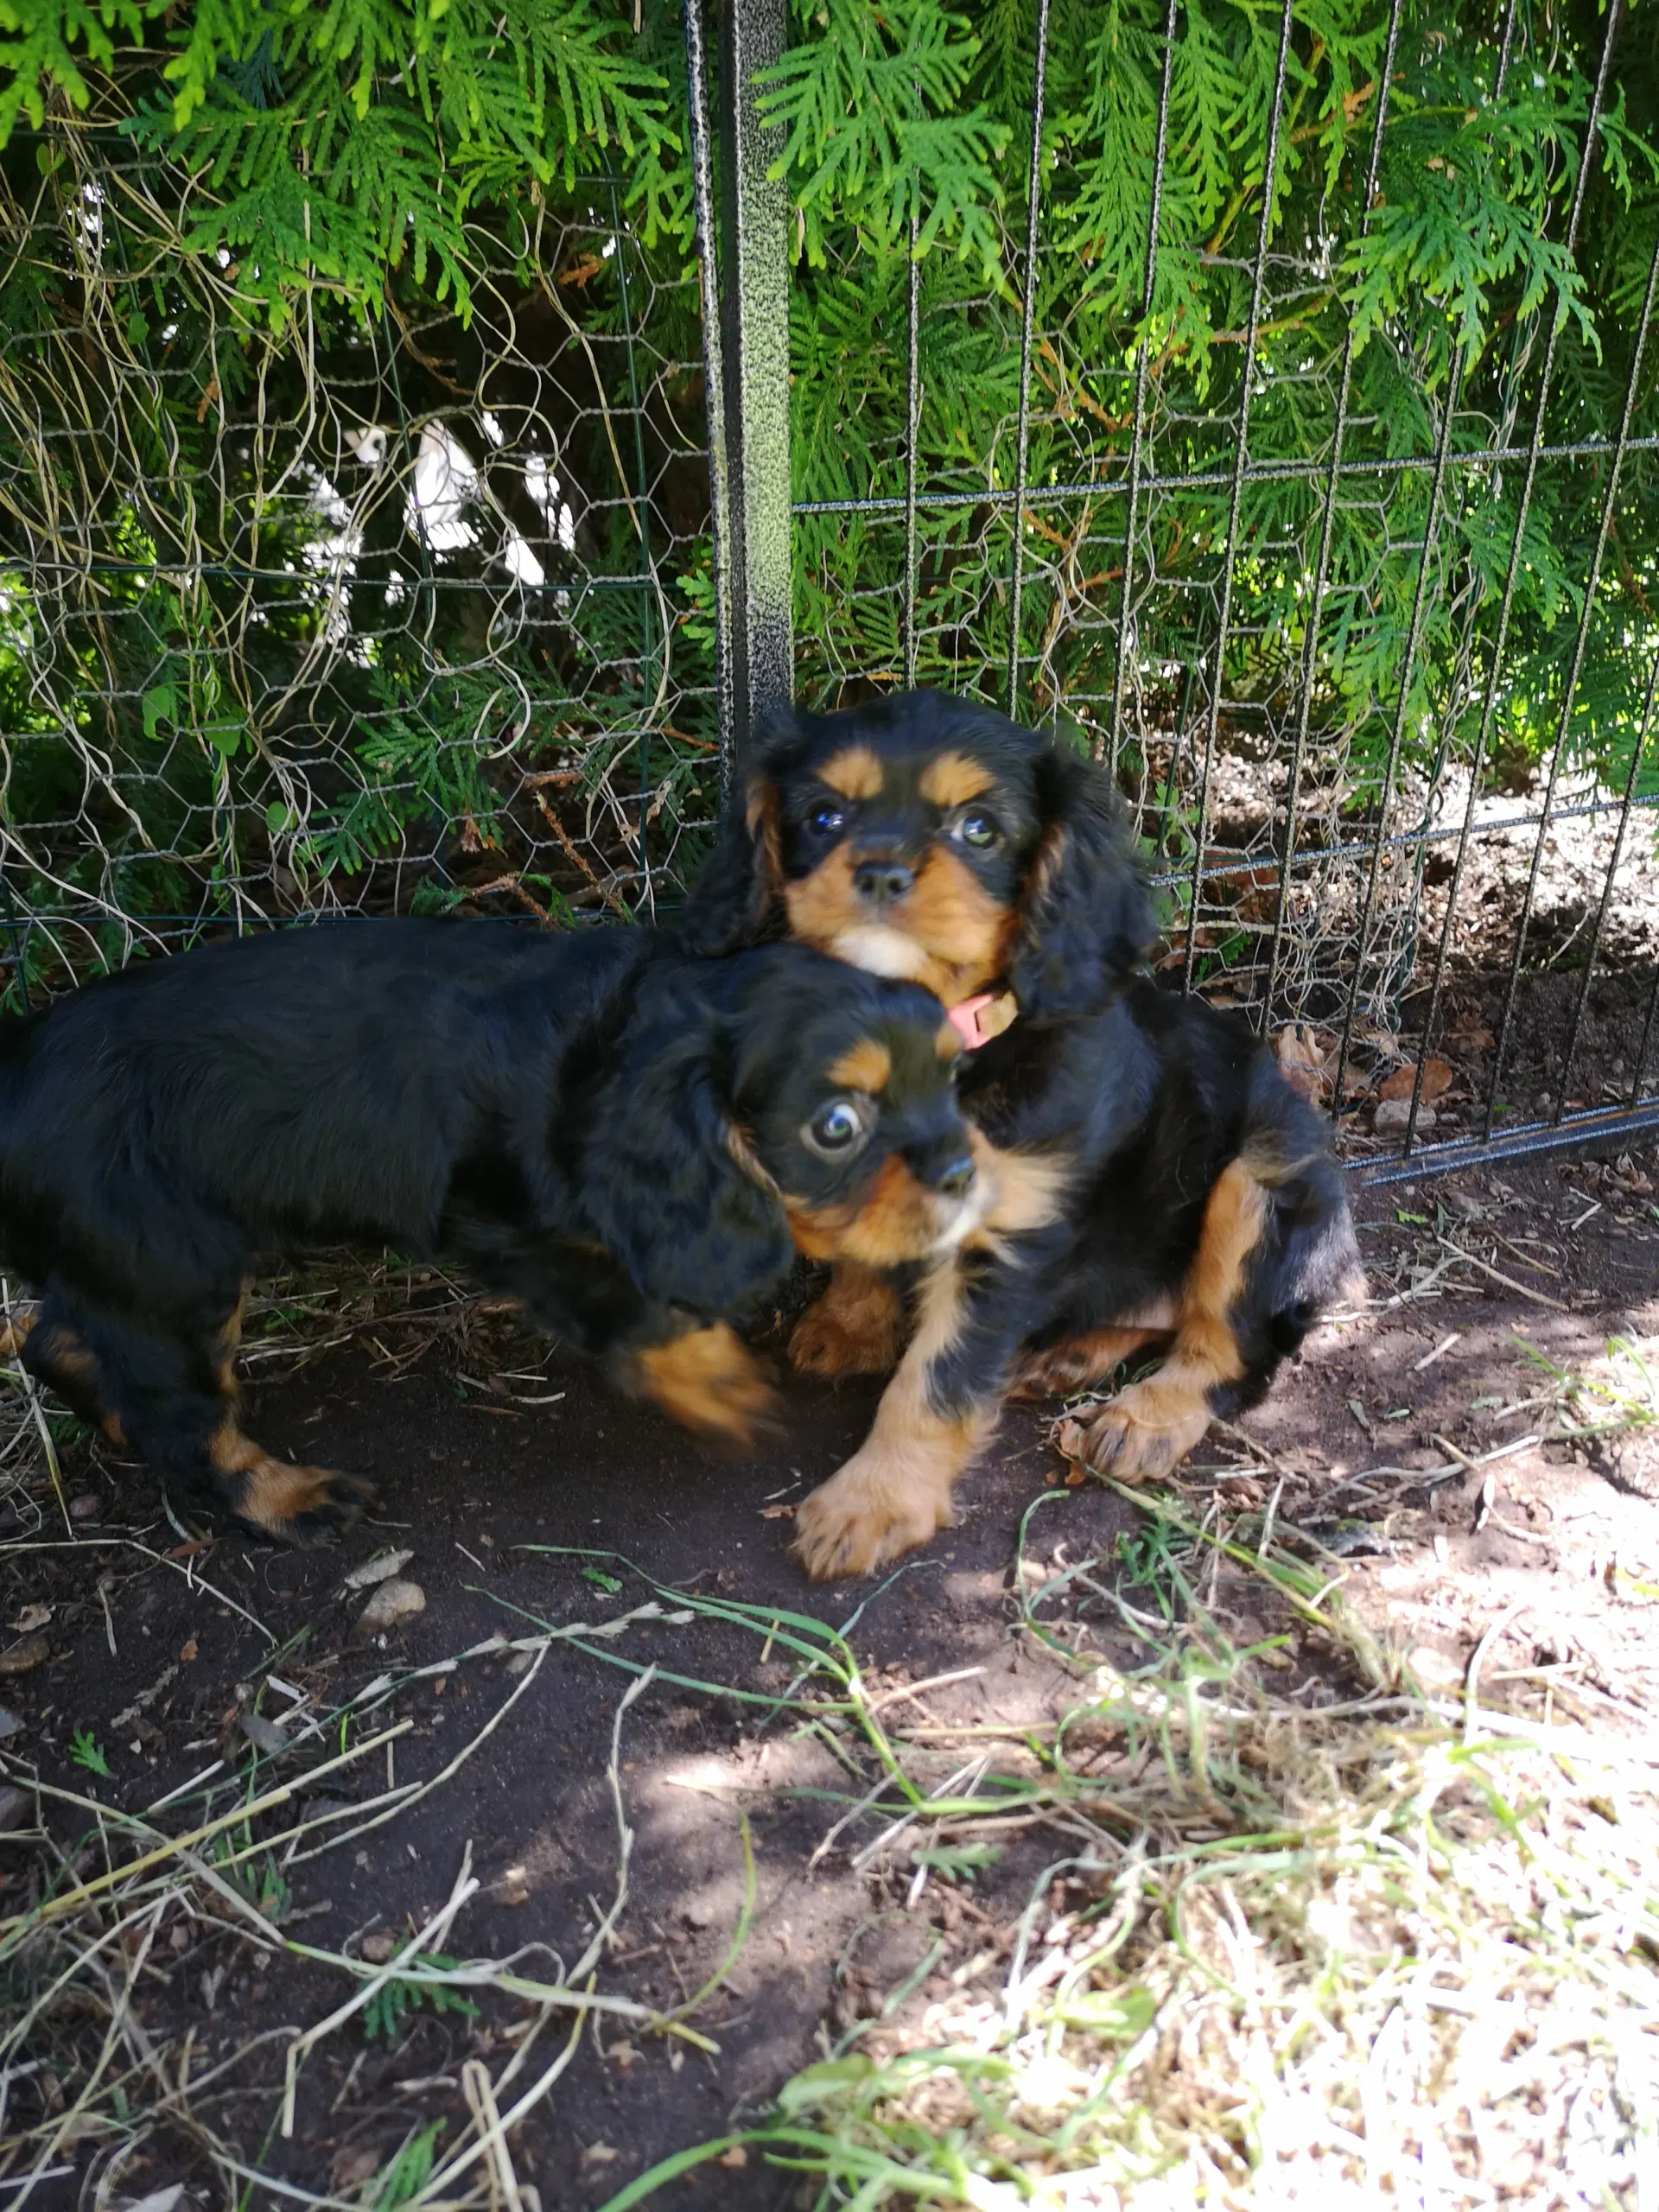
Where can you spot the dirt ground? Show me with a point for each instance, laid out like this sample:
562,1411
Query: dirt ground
528,1495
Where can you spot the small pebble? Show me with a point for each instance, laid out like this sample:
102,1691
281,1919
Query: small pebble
17,1810
87,1507
1395,1114
513,1888
265,1735
393,1601
10,1723
376,1570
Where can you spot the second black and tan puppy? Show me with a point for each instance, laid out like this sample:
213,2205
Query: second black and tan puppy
630,1142
1181,1195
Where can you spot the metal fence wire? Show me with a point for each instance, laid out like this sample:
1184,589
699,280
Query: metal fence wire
421,614
400,614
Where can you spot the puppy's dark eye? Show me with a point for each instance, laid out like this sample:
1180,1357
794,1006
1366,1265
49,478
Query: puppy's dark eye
835,1130
826,820
980,831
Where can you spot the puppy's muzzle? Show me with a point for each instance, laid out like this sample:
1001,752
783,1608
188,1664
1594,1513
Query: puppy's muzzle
883,883
961,1186
948,1168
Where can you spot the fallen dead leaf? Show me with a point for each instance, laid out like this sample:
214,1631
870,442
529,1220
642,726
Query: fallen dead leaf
32,1616
777,1513
737,2156
1302,1054
187,1648
377,1948
25,1656
376,1570
354,2165
1437,1077
1476,1038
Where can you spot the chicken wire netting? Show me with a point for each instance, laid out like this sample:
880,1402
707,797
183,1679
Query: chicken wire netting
406,610
364,614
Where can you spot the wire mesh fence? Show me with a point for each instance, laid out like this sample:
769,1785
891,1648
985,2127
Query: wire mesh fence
1396,775
1338,572
360,613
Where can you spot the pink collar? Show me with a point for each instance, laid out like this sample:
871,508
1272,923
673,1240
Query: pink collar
985,1015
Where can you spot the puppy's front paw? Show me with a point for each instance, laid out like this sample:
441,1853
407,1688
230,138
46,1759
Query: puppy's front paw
340,1503
1146,1431
829,1344
15,1333
707,1379
1078,1362
742,1408
306,1507
867,1513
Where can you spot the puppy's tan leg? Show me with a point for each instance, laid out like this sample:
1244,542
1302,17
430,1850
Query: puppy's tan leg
15,1332
54,1353
894,1492
1079,1362
302,1506
707,1379
1149,1429
225,1349
854,1328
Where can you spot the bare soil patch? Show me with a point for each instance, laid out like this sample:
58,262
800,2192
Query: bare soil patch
1412,1447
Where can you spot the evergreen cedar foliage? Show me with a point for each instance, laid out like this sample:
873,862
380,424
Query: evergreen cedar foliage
226,220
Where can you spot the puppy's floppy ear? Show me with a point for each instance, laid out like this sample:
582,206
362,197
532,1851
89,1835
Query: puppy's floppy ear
736,900
669,1183
1086,915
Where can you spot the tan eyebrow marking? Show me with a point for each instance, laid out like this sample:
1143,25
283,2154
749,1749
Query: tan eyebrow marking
864,1066
854,771
953,779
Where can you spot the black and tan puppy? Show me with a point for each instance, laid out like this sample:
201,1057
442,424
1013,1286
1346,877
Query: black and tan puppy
1178,1192
628,1141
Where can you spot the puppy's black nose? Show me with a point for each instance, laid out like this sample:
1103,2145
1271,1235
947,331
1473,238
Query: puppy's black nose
883,883
956,1178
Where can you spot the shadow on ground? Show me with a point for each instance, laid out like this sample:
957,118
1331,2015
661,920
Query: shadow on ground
150,1652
